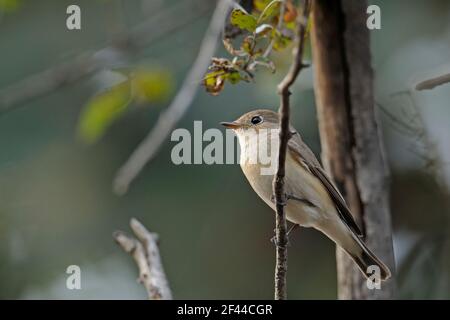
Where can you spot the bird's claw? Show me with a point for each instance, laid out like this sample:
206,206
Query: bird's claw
274,241
274,238
283,203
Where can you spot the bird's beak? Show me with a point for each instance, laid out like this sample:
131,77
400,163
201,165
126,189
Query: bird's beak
231,125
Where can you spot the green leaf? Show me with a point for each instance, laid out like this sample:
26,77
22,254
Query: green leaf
281,41
102,110
234,77
272,10
243,20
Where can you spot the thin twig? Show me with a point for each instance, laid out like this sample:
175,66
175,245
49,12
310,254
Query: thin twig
433,82
147,149
285,135
145,253
402,126
279,26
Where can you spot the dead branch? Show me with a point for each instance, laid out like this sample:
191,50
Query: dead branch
431,83
145,253
285,135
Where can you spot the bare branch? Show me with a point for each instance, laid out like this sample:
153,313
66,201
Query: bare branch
147,149
145,253
112,55
433,82
285,135
46,82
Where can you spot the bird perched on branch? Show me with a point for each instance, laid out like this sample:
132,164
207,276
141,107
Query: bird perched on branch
312,199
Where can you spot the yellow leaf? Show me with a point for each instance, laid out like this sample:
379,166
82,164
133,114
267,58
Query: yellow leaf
260,4
247,44
243,20
102,110
281,41
214,82
151,85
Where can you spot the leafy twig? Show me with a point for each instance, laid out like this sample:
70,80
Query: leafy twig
271,22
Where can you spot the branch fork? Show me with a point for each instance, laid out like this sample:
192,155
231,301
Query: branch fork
145,252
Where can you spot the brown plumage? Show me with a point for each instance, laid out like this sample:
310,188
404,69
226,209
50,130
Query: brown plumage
314,199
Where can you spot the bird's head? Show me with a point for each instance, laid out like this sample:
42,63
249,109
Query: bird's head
254,120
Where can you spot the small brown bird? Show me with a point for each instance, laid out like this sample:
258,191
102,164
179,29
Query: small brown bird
313,199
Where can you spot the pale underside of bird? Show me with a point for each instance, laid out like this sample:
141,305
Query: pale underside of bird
312,198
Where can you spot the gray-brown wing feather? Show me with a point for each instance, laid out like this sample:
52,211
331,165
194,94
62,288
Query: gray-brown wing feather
307,158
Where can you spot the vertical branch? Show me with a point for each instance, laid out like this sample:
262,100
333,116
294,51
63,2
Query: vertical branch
285,135
351,144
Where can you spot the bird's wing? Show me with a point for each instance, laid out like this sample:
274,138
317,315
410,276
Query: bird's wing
301,153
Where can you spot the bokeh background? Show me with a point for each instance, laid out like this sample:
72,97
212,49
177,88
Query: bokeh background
57,207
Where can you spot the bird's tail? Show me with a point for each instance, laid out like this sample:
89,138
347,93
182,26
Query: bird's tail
365,258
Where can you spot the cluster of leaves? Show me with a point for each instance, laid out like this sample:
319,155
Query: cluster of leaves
141,86
261,32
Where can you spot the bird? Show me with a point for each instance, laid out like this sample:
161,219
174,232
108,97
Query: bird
313,200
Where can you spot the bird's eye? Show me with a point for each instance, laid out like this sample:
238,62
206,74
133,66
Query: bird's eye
256,120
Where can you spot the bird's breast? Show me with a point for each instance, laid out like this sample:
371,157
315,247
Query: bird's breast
298,182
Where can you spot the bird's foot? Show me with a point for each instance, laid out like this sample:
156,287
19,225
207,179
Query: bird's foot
274,238
283,202
294,226
274,241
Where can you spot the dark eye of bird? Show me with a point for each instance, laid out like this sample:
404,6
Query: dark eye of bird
256,120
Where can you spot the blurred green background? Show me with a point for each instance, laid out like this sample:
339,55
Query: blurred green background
57,207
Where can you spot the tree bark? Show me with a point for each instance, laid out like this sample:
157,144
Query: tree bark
352,149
